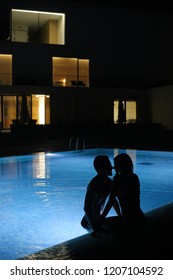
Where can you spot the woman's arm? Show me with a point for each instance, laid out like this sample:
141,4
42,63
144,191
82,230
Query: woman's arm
103,216
112,202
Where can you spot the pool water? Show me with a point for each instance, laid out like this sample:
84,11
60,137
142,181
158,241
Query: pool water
42,195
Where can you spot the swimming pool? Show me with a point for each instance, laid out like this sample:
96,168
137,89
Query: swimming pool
42,195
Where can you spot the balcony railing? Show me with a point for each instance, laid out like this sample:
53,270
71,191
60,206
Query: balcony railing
70,81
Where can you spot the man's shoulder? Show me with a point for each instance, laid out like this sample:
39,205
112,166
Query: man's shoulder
97,180
94,180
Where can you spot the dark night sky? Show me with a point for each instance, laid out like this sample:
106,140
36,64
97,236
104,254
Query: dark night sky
152,5
161,6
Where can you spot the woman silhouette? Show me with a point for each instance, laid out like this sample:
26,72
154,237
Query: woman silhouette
125,189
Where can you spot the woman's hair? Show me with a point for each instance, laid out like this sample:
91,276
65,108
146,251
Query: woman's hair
100,162
123,163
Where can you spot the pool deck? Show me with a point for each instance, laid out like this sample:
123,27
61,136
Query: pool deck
11,146
153,242
17,144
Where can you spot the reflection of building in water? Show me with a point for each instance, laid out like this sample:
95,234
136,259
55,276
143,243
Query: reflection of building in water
40,173
131,153
14,167
39,166
33,167
44,196
9,168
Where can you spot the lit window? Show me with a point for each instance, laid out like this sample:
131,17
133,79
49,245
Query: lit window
130,111
9,110
84,72
70,72
39,27
5,69
41,109
125,111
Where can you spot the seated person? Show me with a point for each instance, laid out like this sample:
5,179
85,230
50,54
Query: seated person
126,190
97,192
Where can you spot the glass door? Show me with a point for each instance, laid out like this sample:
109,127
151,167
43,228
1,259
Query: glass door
9,111
41,109
125,111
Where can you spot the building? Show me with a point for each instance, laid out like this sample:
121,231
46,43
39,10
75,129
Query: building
74,63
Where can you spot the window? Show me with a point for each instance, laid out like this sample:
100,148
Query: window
41,108
83,74
5,69
70,72
0,112
9,110
39,27
131,111
24,108
125,111
14,109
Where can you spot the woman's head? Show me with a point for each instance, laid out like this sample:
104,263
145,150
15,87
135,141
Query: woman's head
123,163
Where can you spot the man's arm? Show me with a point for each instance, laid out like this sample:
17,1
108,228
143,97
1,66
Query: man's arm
87,206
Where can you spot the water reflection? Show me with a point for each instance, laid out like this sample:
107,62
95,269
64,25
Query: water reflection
41,195
32,166
39,166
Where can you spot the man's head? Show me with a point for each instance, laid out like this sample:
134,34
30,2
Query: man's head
103,165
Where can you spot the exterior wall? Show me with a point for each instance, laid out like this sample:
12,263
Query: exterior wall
84,105
162,105
94,105
32,63
128,50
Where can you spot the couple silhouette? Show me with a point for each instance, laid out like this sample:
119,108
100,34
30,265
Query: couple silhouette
122,193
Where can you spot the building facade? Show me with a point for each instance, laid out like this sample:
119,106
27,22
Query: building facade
68,62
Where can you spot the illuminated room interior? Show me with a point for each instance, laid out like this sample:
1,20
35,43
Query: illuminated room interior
39,27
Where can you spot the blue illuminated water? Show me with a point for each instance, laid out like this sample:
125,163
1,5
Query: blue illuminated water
42,195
